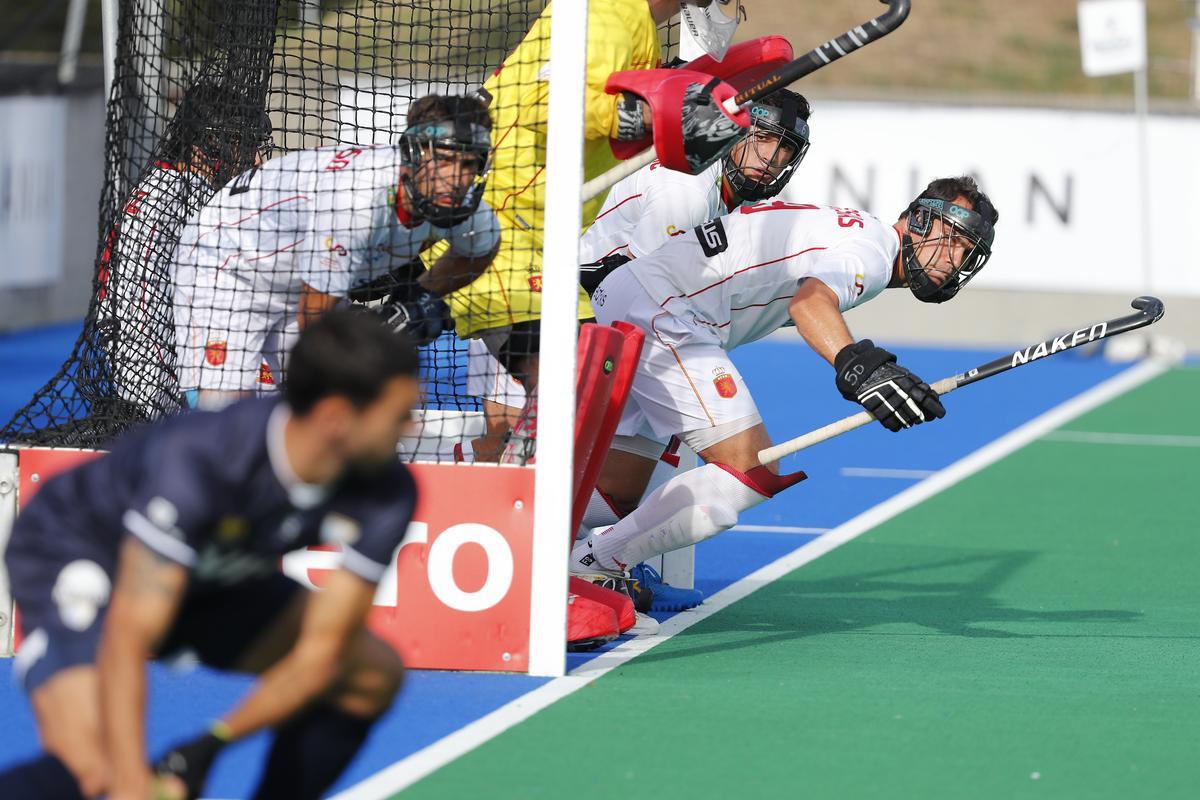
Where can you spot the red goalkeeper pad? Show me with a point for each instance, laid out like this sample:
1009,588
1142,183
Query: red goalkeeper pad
744,65
608,358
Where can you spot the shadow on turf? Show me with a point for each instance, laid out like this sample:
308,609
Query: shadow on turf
933,594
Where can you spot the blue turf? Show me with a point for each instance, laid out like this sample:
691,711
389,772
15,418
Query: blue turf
795,393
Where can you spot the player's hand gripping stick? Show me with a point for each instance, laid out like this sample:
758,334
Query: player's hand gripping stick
869,375
423,318
191,761
1149,311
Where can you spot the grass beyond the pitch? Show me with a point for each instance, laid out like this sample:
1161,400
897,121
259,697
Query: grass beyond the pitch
1032,631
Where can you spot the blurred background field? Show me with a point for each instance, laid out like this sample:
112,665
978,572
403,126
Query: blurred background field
1020,47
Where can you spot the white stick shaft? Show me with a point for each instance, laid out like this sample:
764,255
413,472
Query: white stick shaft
603,182
833,429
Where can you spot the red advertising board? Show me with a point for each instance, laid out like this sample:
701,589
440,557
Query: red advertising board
458,593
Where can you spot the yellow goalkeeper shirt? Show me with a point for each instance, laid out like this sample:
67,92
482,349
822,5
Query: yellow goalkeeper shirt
621,36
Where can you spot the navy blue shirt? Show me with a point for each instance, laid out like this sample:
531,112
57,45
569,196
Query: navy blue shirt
215,493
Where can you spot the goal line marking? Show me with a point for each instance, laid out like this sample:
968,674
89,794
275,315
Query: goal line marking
424,762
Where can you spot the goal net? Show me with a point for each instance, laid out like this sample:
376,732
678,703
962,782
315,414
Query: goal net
202,91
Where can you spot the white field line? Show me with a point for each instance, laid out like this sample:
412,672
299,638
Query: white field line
408,771
884,472
1143,439
776,529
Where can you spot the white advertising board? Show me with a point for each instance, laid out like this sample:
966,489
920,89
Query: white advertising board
32,181
1066,185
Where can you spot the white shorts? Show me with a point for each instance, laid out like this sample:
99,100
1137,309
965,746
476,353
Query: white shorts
489,380
233,334
685,381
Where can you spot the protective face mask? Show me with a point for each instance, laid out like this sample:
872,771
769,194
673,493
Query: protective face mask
710,28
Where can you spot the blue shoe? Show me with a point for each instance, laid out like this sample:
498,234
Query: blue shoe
665,596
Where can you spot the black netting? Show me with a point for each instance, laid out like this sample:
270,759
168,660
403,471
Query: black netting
204,88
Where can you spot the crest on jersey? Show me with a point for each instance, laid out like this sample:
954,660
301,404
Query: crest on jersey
265,376
726,385
215,352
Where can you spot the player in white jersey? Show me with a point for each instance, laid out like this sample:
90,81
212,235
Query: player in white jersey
734,280
214,134
285,242
643,211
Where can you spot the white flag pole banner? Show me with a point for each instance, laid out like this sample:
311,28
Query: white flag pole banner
1065,182
1112,36
32,181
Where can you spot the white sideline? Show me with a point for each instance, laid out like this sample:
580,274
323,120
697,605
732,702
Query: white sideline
885,472
408,771
1143,439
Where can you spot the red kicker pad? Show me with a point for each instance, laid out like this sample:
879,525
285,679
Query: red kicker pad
607,362
621,604
589,624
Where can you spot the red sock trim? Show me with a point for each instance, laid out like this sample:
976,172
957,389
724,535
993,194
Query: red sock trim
762,480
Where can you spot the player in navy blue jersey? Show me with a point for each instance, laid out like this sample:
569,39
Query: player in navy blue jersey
171,544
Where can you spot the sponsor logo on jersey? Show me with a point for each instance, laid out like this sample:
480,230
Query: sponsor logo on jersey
265,376
215,352
712,238
858,284
726,385
673,231
535,283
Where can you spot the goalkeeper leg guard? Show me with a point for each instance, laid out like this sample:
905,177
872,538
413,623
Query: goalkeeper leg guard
310,752
685,510
38,779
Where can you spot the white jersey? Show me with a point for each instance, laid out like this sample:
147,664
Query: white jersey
327,217
736,274
649,207
133,302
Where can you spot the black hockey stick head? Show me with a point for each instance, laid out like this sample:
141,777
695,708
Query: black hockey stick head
1151,307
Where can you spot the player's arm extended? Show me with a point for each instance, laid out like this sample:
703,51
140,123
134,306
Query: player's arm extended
313,304
818,317
148,592
332,617
452,272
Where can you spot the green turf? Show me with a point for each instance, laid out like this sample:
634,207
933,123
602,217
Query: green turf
1034,631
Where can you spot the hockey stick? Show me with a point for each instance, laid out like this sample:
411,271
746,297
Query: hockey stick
1150,310
853,39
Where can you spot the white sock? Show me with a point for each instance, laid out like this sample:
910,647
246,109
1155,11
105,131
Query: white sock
687,509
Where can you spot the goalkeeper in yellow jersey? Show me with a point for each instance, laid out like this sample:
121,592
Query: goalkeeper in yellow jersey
502,307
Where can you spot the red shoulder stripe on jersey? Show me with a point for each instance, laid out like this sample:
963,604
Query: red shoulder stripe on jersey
283,249
618,205
236,223
739,272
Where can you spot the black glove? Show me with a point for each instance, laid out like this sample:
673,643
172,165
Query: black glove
422,318
708,132
400,281
870,376
591,275
190,762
